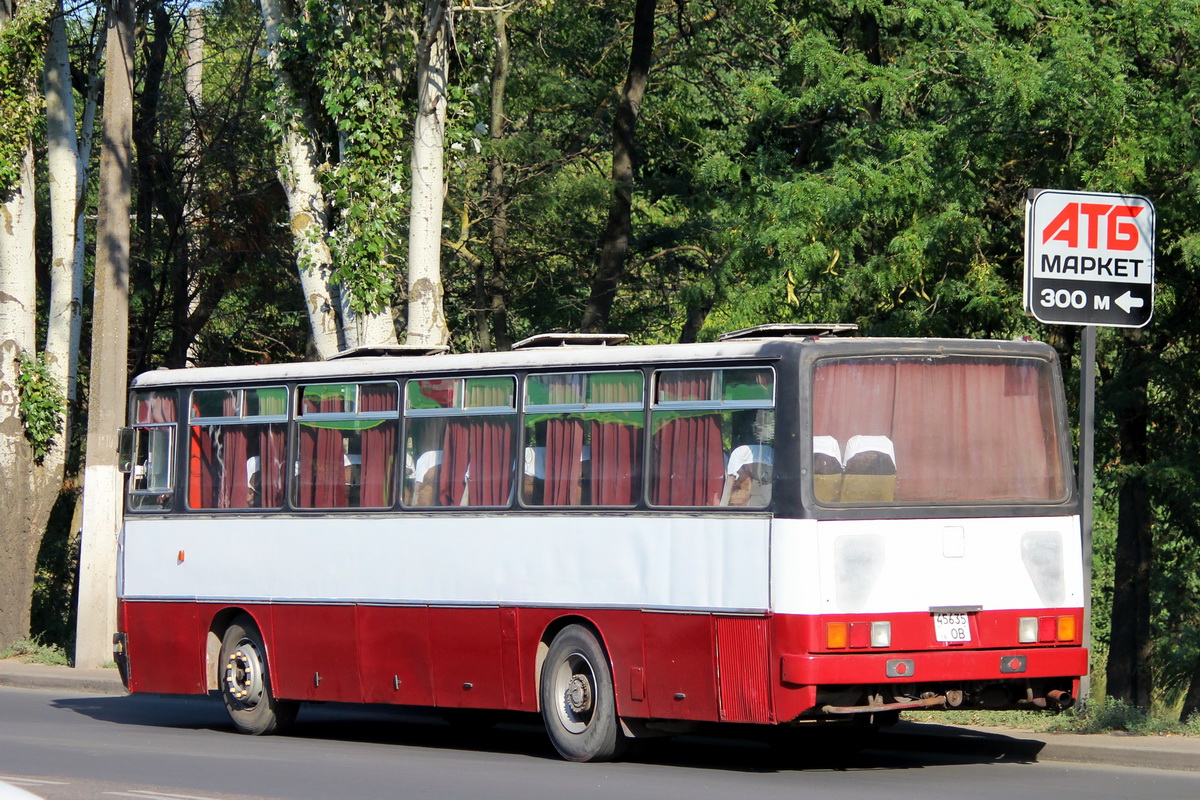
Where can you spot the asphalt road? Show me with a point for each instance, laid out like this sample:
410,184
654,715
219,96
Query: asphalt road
69,746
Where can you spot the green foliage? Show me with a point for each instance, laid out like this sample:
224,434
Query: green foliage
22,49
42,403
33,651
1102,716
352,60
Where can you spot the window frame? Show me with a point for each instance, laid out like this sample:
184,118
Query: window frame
719,405
458,411
300,416
545,409
242,418
1049,381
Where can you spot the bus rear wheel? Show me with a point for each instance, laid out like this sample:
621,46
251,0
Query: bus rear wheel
246,685
577,700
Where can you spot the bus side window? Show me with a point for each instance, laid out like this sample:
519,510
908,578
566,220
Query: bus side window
471,424
347,435
583,437
697,414
152,473
150,484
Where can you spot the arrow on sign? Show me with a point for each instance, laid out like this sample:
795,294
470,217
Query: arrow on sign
1128,302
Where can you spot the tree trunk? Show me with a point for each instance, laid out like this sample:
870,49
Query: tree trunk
18,297
66,272
109,379
188,279
86,136
1128,668
426,316
496,290
616,235
17,305
306,202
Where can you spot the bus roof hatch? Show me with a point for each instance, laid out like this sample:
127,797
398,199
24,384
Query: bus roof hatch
783,329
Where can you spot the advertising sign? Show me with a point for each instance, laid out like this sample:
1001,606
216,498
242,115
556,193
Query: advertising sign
1089,258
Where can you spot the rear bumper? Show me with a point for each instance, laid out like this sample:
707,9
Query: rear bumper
942,666
121,656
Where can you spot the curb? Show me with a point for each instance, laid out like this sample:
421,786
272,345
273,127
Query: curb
1114,749
16,675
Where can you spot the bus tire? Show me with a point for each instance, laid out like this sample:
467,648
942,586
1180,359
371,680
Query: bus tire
576,697
246,684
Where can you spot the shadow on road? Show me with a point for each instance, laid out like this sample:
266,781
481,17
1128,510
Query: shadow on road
728,747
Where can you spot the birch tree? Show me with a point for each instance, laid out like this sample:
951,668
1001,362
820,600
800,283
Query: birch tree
426,315
307,211
33,384
336,321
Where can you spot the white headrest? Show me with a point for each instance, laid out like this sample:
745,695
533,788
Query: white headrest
535,462
867,444
827,445
425,462
750,454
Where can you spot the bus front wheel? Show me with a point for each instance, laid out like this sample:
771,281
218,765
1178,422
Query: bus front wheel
246,685
576,697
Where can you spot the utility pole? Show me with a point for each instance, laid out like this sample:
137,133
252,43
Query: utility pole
102,482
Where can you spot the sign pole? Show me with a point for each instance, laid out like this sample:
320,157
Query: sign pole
1087,430
1089,261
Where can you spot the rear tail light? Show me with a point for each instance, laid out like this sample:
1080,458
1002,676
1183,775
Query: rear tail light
858,635
1046,629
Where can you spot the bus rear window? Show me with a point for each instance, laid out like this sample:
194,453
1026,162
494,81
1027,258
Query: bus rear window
936,430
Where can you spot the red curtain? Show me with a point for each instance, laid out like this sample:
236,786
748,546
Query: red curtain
200,468
477,459
155,408
233,490
564,461
322,461
616,463
966,430
456,460
689,462
378,447
272,450
689,459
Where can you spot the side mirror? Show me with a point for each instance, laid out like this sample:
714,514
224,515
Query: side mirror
125,439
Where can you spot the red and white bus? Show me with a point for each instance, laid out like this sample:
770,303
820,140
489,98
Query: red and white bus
768,529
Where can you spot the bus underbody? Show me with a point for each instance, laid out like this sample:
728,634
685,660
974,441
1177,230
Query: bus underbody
1055,694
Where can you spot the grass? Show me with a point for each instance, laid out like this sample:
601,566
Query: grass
32,651
1103,716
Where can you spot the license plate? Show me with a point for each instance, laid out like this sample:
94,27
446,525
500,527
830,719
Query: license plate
952,627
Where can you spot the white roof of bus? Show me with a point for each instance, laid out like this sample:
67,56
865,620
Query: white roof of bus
541,357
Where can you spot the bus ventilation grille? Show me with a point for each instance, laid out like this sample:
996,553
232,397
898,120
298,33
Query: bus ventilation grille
743,671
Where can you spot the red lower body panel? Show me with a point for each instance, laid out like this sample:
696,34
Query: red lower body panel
682,666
